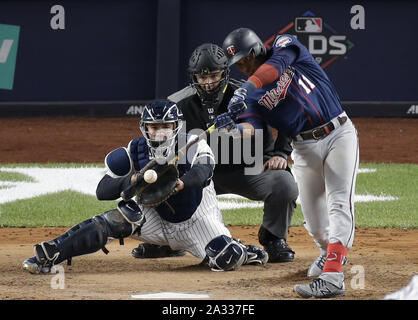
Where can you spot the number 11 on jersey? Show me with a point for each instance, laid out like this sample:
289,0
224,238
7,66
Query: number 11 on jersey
306,84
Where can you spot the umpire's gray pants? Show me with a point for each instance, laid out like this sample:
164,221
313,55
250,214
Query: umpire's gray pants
277,188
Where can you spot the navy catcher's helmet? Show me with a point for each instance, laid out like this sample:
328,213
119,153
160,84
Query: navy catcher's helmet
206,58
161,111
240,43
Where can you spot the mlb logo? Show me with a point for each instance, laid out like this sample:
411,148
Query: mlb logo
323,42
308,24
231,50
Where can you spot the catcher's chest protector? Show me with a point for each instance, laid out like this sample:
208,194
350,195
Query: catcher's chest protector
139,152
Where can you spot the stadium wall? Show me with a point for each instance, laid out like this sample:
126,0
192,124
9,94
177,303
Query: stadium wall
95,58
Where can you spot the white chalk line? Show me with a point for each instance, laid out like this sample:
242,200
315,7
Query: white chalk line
85,180
170,295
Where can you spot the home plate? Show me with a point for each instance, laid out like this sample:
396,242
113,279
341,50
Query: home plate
170,295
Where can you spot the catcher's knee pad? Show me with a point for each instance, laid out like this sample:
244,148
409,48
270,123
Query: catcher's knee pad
132,213
123,222
225,254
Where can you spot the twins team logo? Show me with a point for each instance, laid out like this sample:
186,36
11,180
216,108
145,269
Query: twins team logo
271,98
324,43
231,50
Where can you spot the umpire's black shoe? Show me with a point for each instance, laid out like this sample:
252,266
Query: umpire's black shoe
148,251
279,251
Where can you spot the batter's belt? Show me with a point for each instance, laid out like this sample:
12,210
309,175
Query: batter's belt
324,130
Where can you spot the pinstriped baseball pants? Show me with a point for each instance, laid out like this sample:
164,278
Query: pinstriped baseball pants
191,235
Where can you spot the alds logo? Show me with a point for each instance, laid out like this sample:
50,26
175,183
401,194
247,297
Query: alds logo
324,43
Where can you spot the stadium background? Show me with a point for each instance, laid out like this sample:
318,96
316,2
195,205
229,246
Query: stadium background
112,55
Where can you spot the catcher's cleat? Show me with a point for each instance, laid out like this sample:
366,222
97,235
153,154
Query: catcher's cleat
149,251
256,255
320,288
33,266
46,253
316,267
279,251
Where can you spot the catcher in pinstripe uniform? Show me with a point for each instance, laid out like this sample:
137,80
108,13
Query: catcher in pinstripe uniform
188,219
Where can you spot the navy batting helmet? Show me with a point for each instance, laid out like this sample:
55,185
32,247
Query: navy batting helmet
240,43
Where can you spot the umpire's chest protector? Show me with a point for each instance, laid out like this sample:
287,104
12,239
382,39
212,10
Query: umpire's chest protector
182,205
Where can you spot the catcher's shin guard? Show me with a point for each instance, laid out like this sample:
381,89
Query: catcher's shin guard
87,237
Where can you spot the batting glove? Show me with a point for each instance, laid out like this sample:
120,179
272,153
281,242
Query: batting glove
237,104
225,121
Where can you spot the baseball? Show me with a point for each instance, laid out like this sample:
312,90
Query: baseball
150,176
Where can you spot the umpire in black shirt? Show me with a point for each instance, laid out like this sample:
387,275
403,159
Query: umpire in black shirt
206,97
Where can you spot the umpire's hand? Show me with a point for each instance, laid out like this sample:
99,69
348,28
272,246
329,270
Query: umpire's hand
275,163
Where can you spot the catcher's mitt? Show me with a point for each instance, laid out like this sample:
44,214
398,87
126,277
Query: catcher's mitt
152,195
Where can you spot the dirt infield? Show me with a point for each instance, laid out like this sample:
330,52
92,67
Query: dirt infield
87,140
386,256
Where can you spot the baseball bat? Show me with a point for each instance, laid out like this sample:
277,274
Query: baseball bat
130,191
